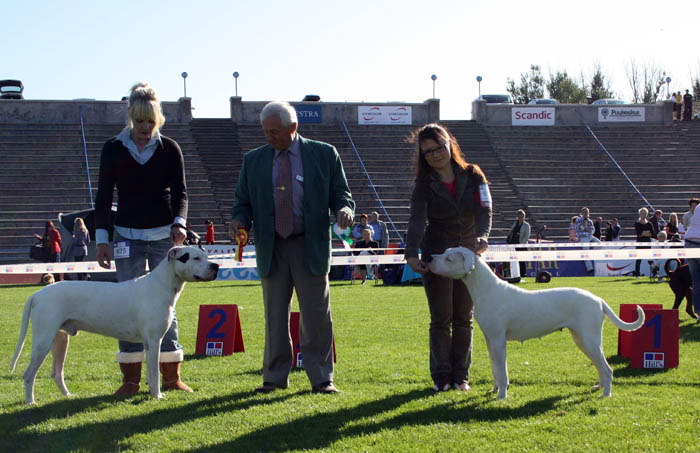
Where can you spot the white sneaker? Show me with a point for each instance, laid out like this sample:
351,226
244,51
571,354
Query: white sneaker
445,388
463,386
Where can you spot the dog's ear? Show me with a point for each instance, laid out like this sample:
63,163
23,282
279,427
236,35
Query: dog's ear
171,253
184,258
468,257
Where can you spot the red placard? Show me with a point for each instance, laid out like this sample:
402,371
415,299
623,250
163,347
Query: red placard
294,319
655,344
628,313
219,330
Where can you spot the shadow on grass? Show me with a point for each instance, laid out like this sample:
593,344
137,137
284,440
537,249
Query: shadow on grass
317,431
690,331
108,435
321,431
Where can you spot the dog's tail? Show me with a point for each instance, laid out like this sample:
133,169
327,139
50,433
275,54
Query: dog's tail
620,324
22,332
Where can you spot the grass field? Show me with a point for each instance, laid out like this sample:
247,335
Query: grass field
387,402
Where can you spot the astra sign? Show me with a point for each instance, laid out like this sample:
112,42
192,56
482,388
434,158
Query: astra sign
532,116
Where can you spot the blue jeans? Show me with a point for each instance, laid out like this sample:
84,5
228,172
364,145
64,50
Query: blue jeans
694,267
135,266
590,267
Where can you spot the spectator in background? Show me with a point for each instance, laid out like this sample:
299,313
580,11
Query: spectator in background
148,170
687,106
81,239
584,233
357,229
519,234
608,234
678,106
209,238
672,230
365,243
52,246
450,207
616,229
692,240
657,222
596,227
645,231
381,232
689,215
572,229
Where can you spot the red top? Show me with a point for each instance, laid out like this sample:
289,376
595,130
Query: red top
210,233
452,187
55,241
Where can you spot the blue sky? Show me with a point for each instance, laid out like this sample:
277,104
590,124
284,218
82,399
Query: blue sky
378,51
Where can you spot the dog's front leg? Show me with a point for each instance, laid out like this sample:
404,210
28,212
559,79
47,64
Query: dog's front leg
499,367
153,372
58,351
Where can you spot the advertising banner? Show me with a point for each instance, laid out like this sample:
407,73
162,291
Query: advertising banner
384,114
309,114
532,116
616,114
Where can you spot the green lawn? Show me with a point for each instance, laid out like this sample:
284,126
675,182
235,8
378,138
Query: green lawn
387,402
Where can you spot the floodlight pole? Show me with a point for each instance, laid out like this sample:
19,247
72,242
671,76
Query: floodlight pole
235,77
184,82
433,78
479,79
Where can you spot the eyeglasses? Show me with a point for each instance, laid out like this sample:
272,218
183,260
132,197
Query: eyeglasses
435,151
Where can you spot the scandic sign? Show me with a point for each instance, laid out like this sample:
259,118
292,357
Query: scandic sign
384,115
528,116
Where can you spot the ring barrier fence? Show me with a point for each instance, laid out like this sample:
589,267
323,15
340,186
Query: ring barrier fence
224,256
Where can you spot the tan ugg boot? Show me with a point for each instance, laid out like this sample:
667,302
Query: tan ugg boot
131,381
171,377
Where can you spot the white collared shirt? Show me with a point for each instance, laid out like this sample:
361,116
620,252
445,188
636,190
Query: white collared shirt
140,156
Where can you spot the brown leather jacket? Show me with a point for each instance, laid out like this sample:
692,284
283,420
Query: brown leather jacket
452,222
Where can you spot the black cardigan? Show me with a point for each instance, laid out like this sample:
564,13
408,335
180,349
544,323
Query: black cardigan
149,195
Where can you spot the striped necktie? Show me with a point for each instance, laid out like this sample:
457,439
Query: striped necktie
284,220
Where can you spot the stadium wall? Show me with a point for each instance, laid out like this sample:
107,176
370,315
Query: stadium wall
568,114
95,112
248,112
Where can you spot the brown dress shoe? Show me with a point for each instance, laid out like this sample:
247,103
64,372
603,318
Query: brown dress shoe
326,387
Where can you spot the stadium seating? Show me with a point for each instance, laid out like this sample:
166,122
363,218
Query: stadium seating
549,171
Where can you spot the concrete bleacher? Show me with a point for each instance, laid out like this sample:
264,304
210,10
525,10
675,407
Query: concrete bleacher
43,174
558,170
549,171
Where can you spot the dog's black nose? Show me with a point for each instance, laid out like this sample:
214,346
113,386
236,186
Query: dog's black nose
430,258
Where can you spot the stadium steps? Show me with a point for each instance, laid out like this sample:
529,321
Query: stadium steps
558,170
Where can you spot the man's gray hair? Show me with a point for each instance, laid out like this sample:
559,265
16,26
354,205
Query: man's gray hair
283,110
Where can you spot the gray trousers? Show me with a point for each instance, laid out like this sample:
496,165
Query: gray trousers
451,328
289,272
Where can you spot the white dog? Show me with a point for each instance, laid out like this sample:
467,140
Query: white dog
138,310
505,312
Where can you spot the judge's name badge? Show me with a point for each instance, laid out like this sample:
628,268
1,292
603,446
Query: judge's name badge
121,249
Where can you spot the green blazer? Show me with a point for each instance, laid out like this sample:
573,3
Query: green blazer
325,188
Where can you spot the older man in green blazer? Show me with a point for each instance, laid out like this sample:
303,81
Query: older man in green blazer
286,191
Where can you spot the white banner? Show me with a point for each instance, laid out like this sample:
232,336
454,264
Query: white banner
532,116
384,114
493,253
616,114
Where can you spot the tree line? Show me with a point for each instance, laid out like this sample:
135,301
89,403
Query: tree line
646,82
